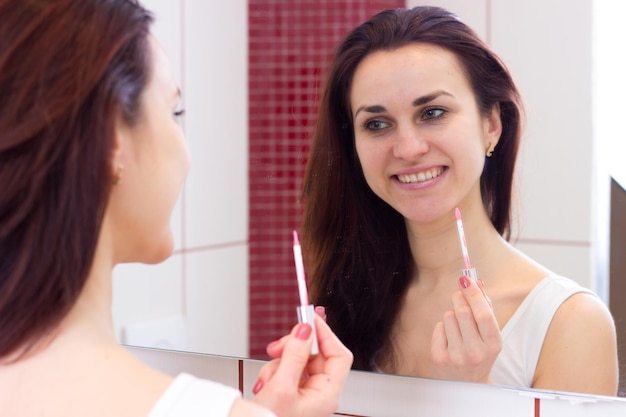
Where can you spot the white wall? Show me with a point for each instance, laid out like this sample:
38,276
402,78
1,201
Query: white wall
198,299
609,76
547,47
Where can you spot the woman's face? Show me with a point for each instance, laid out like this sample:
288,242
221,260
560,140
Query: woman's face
419,135
155,158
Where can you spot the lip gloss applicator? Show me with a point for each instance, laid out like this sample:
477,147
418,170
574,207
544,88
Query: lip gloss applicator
306,311
468,270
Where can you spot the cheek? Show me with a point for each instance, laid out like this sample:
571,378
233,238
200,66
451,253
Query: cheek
185,158
369,155
471,162
179,152
372,161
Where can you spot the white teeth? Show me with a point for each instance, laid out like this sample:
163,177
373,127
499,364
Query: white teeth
420,177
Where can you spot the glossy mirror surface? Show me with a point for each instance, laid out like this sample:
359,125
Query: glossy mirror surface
218,293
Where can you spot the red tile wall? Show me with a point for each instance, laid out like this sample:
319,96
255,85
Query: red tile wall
290,43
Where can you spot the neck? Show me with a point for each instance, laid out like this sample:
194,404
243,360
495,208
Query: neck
90,318
436,247
87,323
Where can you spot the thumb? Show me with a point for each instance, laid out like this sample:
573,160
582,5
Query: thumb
295,356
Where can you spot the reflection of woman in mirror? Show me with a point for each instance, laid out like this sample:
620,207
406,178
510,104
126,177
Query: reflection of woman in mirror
92,160
419,117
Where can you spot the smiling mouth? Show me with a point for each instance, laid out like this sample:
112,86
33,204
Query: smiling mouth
421,176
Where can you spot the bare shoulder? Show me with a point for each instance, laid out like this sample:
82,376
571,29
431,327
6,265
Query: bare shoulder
583,320
244,408
587,304
582,328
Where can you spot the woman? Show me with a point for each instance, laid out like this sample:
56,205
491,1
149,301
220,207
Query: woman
92,160
419,117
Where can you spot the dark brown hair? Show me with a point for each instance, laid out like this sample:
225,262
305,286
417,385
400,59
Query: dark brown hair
356,245
68,70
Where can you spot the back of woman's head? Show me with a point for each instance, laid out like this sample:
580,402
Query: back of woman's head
69,69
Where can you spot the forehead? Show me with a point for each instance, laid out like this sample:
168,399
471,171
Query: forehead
417,68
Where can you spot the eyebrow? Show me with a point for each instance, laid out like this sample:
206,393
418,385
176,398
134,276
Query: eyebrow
377,108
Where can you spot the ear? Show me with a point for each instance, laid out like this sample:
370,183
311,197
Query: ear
492,127
117,152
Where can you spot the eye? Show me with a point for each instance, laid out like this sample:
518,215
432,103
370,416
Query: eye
375,125
433,114
179,113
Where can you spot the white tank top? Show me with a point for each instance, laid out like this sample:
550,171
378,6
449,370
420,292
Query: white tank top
524,333
188,396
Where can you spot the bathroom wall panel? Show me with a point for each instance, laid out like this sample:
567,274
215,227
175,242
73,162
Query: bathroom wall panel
145,293
215,94
547,47
571,260
217,301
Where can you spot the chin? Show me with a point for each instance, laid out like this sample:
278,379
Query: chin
160,253
157,259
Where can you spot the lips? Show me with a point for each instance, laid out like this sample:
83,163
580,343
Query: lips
421,176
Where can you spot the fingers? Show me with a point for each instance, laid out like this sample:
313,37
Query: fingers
460,322
289,356
439,342
335,359
275,348
467,341
328,342
481,285
295,355
296,381
321,311
265,374
475,313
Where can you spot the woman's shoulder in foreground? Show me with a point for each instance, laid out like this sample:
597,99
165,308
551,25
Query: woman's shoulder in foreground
80,379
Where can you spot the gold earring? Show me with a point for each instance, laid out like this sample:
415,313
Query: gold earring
117,178
490,150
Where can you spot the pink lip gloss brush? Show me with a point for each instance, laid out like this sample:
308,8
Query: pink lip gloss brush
468,270
306,311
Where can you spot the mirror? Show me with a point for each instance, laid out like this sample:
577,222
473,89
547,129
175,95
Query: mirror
255,59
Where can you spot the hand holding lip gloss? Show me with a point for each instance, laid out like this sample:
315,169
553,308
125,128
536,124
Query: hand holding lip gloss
306,311
468,270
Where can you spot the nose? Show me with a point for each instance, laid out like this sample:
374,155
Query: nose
410,144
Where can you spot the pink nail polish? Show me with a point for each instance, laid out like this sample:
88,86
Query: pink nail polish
321,311
303,331
257,386
464,281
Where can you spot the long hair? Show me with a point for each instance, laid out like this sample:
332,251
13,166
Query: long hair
357,248
68,70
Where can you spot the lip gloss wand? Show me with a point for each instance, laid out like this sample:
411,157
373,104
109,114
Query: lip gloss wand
468,270
306,311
